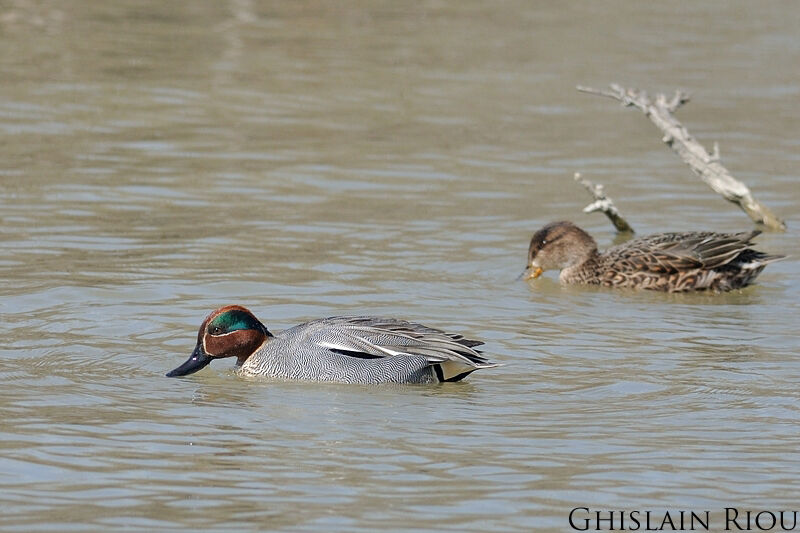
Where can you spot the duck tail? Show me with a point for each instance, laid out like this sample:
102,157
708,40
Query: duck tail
452,371
758,260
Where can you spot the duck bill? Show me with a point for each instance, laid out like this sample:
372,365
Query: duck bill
532,273
197,361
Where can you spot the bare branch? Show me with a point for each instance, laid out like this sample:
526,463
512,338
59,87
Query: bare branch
610,94
703,163
603,203
715,156
678,100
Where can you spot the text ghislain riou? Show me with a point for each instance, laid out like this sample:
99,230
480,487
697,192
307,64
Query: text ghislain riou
733,519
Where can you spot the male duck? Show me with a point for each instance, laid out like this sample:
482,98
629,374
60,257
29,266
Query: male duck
350,349
670,262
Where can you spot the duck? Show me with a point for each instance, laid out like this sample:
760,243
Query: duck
669,262
343,349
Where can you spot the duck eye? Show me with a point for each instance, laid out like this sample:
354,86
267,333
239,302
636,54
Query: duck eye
215,330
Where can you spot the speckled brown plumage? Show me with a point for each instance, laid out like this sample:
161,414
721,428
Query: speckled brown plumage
672,262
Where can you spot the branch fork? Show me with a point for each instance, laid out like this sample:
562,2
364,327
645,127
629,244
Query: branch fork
703,163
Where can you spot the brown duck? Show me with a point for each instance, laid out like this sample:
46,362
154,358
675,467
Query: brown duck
671,262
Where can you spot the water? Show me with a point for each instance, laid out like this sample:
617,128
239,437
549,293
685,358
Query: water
309,159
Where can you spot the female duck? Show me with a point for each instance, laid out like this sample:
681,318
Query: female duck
342,349
671,262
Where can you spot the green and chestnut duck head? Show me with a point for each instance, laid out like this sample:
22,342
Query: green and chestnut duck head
556,246
230,331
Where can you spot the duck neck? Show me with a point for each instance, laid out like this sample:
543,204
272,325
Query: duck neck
575,272
242,357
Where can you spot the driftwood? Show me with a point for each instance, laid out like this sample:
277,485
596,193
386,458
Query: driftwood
703,163
603,203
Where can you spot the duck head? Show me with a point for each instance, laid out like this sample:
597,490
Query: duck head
230,331
558,245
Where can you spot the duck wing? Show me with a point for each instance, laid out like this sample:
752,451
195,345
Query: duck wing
675,252
373,337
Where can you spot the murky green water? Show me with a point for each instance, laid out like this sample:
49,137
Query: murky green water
306,159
